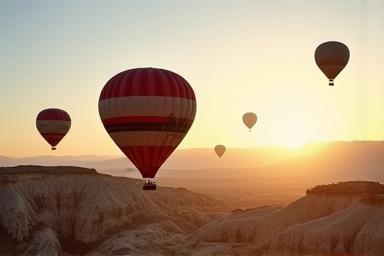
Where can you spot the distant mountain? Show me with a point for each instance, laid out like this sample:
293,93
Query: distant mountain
339,219
309,165
180,159
360,160
339,161
285,180
334,161
84,160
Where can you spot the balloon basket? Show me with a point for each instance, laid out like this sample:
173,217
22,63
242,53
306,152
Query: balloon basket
149,185
331,83
53,148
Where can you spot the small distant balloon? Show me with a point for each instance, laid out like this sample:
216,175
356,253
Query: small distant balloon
331,57
53,124
249,119
220,150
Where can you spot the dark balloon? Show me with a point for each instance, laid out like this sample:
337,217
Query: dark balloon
331,57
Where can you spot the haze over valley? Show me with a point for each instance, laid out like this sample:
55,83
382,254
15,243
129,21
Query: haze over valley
247,177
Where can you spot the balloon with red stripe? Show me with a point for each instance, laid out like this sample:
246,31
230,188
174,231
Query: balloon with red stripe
147,112
53,124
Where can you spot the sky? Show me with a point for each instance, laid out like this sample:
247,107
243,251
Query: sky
239,56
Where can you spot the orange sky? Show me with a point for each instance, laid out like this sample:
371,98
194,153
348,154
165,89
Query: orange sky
238,56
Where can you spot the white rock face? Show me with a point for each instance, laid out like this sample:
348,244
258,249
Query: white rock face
351,230
317,224
260,228
48,213
44,242
84,213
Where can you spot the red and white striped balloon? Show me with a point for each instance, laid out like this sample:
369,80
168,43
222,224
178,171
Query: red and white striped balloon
53,124
147,112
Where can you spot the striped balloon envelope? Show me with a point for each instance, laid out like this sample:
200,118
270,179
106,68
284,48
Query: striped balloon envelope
53,124
147,112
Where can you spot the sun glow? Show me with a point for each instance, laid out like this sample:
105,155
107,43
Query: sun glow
219,51
294,143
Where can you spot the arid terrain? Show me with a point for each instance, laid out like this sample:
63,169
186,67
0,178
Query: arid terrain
48,210
76,211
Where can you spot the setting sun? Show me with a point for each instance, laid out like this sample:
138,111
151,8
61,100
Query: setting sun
204,127
232,71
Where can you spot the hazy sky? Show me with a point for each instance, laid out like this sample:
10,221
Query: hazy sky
239,56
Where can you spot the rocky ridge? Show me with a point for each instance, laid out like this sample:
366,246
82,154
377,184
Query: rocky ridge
51,210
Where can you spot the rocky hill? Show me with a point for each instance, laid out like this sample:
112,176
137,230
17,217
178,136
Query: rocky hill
338,219
56,210
76,211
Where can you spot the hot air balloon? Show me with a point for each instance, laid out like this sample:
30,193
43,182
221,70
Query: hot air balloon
331,57
220,150
53,124
249,119
147,112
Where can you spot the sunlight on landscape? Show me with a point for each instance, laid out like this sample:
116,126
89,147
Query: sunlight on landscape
204,127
